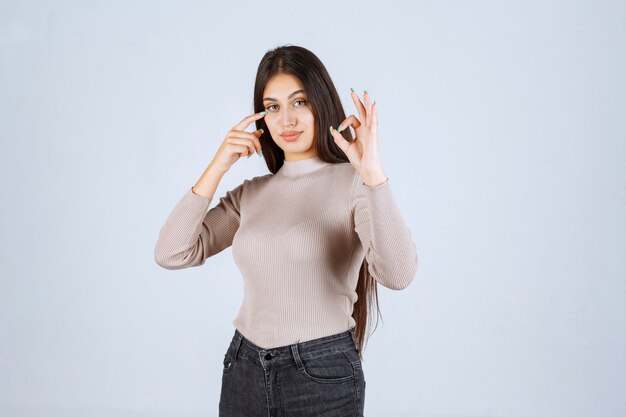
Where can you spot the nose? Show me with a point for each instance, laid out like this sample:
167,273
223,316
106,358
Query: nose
289,118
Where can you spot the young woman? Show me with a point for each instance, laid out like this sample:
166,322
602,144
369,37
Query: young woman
312,239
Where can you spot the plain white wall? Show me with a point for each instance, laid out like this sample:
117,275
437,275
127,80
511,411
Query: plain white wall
501,127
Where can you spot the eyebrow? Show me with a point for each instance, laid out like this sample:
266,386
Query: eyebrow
290,95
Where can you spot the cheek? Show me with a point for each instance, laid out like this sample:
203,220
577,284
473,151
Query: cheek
309,119
270,122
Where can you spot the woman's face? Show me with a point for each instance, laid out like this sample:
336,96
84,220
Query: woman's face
288,110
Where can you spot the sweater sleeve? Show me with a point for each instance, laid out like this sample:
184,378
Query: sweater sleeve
190,234
390,253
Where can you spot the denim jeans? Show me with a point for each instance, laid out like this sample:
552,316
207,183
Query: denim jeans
319,377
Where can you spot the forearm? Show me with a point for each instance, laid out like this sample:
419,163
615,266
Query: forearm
208,182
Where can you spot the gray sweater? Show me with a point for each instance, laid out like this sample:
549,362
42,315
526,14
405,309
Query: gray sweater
299,238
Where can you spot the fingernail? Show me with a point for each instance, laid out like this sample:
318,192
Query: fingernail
264,130
260,153
374,102
339,130
262,112
364,91
331,130
352,89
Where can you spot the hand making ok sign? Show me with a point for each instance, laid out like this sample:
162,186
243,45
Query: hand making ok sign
363,150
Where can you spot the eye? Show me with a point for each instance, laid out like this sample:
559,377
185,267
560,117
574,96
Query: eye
274,105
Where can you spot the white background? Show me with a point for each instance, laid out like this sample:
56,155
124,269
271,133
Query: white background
502,129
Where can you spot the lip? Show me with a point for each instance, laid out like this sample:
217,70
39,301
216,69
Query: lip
291,135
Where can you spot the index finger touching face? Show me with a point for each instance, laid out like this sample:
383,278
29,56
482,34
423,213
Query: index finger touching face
248,120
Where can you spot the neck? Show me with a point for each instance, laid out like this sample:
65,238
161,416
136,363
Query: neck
304,166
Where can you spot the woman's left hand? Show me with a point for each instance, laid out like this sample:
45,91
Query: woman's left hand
363,150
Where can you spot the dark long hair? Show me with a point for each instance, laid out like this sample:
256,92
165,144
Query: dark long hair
328,111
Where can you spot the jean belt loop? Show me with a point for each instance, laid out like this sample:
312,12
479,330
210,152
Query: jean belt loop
238,346
354,338
296,356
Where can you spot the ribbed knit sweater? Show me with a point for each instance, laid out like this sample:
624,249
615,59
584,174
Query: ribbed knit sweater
298,238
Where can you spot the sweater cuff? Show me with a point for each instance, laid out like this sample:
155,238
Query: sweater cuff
381,185
195,202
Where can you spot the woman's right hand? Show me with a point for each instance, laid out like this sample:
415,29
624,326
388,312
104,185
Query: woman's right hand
238,143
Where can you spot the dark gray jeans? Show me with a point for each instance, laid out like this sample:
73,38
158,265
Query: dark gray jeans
320,377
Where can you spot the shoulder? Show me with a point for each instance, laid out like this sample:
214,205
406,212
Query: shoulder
257,181
346,178
260,179
341,173
248,185
344,169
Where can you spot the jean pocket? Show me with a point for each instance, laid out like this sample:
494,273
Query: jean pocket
354,357
333,367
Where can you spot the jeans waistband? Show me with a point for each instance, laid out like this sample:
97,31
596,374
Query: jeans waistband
285,354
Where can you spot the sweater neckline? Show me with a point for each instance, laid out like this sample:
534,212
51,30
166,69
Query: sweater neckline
302,166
